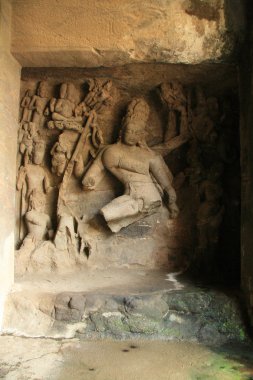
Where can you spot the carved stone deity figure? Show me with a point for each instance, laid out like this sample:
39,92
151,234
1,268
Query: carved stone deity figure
27,137
38,103
38,223
33,183
173,96
24,105
98,97
63,109
144,174
62,151
176,132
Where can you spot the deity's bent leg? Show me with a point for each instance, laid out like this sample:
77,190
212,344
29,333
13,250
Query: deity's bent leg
58,117
36,224
120,207
121,212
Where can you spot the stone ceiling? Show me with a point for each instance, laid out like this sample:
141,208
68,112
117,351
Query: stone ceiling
93,33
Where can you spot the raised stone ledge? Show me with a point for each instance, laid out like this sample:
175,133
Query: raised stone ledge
102,306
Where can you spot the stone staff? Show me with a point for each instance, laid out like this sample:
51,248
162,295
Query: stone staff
75,155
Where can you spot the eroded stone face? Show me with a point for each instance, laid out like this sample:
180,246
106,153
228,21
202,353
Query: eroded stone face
90,34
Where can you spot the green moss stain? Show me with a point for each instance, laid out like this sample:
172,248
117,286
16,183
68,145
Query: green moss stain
221,367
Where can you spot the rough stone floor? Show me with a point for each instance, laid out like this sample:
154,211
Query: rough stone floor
122,325
37,359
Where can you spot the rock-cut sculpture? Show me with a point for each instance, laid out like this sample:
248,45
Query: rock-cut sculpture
144,174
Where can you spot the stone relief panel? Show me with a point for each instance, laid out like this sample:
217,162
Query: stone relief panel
116,176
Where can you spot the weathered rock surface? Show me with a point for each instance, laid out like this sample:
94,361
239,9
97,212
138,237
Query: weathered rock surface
45,258
182,315
190,313
115,33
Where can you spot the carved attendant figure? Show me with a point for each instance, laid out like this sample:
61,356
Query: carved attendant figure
144,174
38,103
64,115
63,108
27,136
172,95
34,179
38,223
25,102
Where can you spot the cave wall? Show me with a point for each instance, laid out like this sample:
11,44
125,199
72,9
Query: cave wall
9,100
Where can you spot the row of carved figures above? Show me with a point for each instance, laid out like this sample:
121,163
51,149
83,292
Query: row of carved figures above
147,180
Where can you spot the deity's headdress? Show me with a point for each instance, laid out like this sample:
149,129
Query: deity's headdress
137,115
137,112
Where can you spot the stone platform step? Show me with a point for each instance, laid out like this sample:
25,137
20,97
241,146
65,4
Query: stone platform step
123,304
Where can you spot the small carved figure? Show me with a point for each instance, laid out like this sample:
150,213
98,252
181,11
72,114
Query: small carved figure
176,132
38,103
63,109
24,105
144,174
98,98
38,223
59,158
27,136
172,94
33,183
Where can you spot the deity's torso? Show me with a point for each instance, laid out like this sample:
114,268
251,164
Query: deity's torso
132,159
64,107
39,102
35,175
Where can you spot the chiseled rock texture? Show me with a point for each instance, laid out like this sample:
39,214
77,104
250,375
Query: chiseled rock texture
114,32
